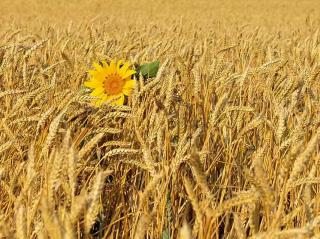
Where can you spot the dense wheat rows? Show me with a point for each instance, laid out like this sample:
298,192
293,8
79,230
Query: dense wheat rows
222,143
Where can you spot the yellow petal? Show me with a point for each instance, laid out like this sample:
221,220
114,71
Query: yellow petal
97,66
105,69
124,68
99,78
128,73
112,66
92,72
120,101
99,102
104,63
118,65
116,99
92,84
128,86
97,91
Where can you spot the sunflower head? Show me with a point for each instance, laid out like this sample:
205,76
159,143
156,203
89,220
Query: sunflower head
110,82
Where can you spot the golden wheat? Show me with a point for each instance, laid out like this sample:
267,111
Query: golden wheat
222,143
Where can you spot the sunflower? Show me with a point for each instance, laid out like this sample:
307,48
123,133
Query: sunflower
110,82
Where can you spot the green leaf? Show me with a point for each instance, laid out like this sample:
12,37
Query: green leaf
149,70
165,234
85,90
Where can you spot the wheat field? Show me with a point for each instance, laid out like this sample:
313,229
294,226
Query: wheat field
222,143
